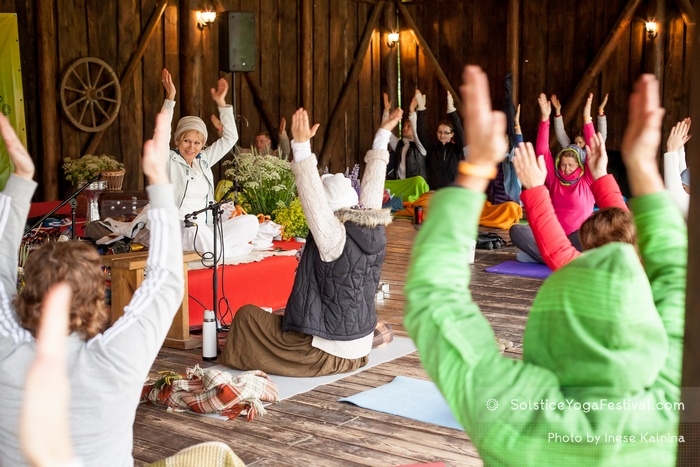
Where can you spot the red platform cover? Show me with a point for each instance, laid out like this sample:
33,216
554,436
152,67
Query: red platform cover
265,283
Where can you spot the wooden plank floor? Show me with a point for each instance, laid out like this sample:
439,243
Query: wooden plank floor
313,429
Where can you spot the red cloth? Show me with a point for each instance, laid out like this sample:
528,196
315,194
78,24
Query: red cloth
265,283
554,245
36,210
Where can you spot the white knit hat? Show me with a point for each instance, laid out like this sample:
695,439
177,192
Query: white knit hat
339,191
191,123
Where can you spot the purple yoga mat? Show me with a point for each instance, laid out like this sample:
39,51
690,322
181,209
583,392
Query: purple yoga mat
516,268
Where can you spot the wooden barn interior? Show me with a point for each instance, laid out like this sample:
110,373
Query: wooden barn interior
333,58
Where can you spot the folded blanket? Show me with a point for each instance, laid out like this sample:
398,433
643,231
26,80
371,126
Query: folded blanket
213,391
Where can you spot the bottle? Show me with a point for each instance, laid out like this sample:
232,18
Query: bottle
418,215
210,342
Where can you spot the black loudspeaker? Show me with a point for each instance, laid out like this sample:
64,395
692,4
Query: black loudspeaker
236,41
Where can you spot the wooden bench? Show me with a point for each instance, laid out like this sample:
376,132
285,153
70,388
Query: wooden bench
127,271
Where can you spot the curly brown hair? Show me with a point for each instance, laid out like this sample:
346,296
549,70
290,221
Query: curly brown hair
76,263
606,226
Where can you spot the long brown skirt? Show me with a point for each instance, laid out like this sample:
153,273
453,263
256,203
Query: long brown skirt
256,342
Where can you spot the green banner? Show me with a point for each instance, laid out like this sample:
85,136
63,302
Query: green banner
11,94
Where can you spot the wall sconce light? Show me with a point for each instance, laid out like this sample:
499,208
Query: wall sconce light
392,38
205,18
652,28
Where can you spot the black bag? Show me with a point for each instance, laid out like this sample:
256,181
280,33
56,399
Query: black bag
489,241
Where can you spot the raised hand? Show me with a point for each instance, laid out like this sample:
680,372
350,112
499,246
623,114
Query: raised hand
44,432
678,136
642,137
393,120
387,102
155,151
556,104
601,107
597,159
516,118
531,169
21,160
219,94
412,106
484,128
450,103
545,107
217,123
301,131
283,125
168,84
587,109
420,100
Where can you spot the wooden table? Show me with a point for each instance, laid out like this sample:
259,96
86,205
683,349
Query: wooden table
127,275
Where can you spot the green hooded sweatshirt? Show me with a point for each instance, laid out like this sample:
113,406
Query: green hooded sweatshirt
599,383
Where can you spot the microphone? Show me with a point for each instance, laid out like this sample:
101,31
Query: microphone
188,222
230,190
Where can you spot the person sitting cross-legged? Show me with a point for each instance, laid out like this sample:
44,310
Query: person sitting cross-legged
328,324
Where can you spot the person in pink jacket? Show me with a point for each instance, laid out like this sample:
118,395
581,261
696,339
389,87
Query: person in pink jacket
611,223
568,182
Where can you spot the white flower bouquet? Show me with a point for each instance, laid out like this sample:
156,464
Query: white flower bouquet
266,182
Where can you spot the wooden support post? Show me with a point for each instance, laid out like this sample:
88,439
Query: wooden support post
581,92
307,54
688,454
420,40
390,80
262,106
331,134
191,57
48,77
687,12
133,63
514,47
655,46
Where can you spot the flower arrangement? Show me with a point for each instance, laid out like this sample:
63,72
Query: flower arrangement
267,182
293,219
80,170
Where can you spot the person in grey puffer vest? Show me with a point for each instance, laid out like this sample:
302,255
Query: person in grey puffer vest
328,325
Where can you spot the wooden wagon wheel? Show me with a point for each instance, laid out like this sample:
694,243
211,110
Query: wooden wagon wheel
90,94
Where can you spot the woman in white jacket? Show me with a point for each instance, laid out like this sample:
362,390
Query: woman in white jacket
189,169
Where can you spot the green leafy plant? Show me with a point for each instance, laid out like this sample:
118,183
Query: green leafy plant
80,170
293,219
267,182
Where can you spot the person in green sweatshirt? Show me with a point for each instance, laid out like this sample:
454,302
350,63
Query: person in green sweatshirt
599,382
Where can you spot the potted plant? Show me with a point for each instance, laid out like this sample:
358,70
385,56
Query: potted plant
79,171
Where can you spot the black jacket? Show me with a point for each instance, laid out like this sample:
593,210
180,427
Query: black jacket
442,159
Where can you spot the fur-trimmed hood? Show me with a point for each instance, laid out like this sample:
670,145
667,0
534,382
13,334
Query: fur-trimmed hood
365,217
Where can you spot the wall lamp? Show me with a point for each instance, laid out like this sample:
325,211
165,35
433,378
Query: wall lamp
392,38
205,18
652,28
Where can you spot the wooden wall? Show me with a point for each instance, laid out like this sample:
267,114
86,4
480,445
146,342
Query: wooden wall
558,40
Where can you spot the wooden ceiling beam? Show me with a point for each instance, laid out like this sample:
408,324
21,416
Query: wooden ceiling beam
420,40
331,132
582,88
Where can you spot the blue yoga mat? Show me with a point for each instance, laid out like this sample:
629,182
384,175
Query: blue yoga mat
516,268
410,398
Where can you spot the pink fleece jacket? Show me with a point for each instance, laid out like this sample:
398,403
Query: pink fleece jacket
572,203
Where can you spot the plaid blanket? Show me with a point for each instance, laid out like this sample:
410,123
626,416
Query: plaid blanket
212,391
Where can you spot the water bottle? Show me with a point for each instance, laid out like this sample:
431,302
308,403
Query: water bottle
210,342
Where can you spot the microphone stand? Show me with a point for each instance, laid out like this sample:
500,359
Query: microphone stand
73,204
216,219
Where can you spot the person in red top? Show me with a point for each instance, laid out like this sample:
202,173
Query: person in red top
611,223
